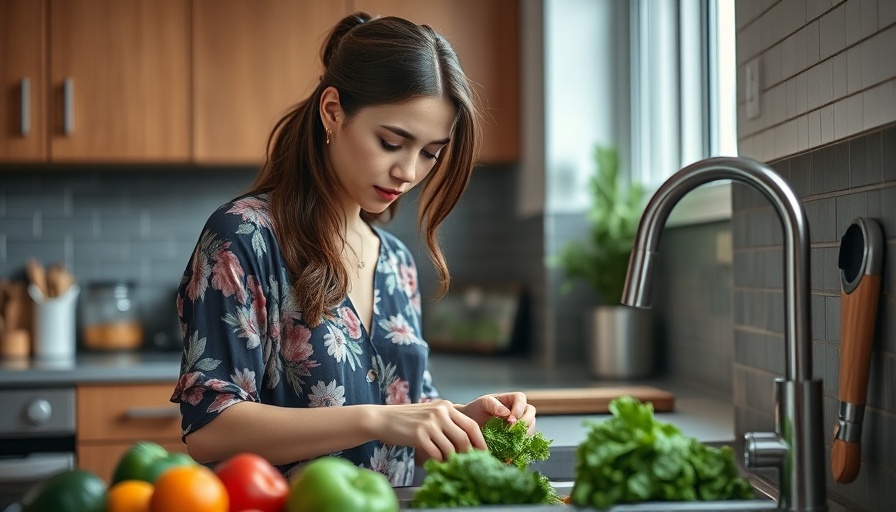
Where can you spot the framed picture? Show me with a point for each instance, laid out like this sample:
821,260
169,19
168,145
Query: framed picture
473,318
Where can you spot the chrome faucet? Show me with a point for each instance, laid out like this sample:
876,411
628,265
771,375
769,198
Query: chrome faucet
796,448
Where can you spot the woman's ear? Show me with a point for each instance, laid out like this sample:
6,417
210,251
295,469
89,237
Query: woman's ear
330,110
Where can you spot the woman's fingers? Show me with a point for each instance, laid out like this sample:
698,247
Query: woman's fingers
498,408
472,432
436,428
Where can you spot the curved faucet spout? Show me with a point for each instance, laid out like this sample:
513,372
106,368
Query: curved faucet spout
797,446
798,340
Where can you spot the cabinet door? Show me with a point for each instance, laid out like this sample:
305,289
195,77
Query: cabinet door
120,80
485,36
125,412
110,418
22,64
253,59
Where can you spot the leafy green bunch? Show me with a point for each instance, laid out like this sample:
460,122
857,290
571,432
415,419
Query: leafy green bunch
476,477
511,444
602,259
497,476
632,457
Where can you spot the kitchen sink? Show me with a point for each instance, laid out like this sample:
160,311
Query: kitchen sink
560,469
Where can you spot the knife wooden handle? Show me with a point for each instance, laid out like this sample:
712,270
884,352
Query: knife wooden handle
846,459
858,315
857,320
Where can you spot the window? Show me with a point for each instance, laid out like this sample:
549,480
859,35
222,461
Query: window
683,96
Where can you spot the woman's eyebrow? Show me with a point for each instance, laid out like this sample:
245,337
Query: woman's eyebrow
401,132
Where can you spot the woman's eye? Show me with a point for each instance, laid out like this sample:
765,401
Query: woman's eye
429,155
390,147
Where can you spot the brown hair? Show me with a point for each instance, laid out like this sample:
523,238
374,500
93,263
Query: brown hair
370,62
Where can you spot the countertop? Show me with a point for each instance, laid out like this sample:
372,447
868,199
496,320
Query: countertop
460,378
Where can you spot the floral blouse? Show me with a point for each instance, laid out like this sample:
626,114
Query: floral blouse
245,338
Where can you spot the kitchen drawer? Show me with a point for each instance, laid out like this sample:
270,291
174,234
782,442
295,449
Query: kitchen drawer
127,412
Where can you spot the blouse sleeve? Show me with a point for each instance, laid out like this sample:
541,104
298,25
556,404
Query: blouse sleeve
221,304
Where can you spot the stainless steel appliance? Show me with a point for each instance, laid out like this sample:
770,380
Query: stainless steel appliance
37,437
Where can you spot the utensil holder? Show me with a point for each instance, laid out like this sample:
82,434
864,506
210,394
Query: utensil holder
54,324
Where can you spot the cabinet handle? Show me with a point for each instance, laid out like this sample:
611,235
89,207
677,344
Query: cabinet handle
26,106
142,413
68,95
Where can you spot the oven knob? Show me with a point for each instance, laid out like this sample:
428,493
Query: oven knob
39,411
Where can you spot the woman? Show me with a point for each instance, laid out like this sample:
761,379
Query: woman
301,320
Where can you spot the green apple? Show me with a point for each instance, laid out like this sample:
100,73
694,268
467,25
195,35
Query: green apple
333,484
146,460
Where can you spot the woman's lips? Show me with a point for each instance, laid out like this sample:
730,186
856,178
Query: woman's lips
387,193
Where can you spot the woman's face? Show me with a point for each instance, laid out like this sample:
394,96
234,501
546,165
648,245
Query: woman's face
384,151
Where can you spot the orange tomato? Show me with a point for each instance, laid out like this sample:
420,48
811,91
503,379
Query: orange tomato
130,496
189,489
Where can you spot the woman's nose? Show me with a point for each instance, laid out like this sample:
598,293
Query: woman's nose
406,169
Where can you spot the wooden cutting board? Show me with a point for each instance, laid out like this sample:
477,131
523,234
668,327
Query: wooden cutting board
595,400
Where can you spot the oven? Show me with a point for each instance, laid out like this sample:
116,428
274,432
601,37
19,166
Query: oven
37,437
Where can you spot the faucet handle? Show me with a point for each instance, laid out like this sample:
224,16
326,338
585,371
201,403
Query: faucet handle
764,450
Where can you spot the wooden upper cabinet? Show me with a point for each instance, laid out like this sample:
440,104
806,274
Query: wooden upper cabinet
485,36
253,60
120,80
23,136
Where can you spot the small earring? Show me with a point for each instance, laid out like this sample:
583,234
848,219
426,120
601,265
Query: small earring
329,131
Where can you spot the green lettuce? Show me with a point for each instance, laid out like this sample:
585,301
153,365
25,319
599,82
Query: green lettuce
497,476
632,457
476,477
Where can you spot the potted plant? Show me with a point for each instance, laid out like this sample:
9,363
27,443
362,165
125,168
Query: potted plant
620,338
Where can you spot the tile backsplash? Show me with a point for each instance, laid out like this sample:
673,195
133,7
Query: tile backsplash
825,72
133,224
828,104
141,224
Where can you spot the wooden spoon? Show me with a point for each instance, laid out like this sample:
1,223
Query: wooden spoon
60,280
38,276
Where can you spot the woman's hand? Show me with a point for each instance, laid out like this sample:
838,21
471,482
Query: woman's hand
436,428
510,407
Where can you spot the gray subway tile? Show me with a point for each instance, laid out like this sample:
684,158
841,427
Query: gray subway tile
830,168
883,483
47,251
831,369
818,317
22,226
822,217
849,207
801,174
876,386
887,322
80,226
831,270
888,154
865,160
832,321
886,211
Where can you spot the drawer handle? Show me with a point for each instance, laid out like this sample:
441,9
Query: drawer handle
25,92
142,413
68,106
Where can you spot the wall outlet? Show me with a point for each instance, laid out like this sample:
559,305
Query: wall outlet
724,248
751,77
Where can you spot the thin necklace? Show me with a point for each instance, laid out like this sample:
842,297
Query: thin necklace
361,258
358,258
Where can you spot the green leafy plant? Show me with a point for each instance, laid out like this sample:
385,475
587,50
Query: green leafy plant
511,444
632,457
601,259
476,477
497,476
